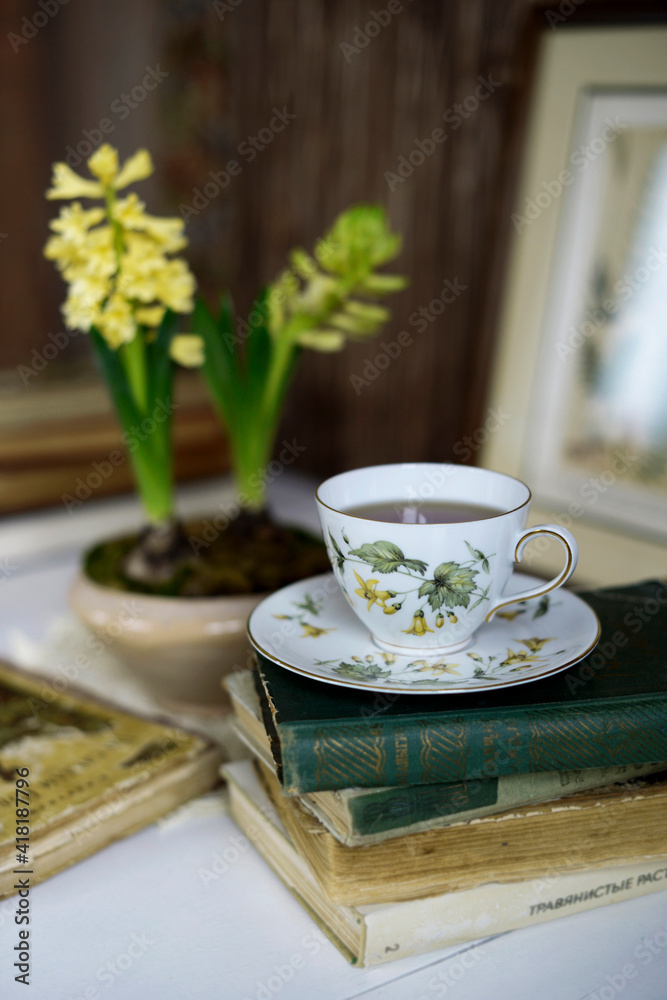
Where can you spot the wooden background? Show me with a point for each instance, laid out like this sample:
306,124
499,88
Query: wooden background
357,112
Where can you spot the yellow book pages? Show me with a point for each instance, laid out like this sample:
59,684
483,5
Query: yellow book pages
612,826
382,932
76,774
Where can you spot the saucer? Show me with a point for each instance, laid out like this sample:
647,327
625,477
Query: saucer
308,628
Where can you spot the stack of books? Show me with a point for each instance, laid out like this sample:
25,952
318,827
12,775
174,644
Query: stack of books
407,824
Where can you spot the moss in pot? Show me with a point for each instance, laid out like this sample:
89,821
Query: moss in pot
192,593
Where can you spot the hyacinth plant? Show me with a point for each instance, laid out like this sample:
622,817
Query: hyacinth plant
320,302
125,288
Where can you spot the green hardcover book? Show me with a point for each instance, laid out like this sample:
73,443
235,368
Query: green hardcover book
608,710
362,816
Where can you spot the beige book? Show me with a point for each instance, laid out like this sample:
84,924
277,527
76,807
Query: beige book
364,816
613,826
75,775
378,933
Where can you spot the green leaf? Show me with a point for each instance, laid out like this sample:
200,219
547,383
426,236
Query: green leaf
482,597
542,607
435,594
129,414
159,364
361,671
258,346
308,604
452,586
385,557
220,368
479,556
475,553
149,454
340,558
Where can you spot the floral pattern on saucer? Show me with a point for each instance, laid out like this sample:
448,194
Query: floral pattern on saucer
538,638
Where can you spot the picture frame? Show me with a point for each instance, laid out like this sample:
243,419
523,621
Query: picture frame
589,422
586,78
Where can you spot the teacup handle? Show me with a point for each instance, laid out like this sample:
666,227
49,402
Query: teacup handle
571,552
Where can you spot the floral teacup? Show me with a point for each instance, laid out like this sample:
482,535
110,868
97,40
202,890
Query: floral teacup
430,586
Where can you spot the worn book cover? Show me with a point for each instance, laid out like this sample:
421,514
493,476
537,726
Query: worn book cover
607,710
385,931
76,775
612,826
358,816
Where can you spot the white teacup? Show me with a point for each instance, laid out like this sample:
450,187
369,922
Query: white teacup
429,586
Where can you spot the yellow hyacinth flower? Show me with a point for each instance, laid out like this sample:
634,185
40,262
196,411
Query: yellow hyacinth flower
116,322
116,258
123,282
187,349
419,626
103,164
68,184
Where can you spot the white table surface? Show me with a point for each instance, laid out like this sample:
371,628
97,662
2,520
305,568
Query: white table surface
137,920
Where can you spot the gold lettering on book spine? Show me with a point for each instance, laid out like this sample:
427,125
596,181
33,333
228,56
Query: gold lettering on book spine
443,756
344,757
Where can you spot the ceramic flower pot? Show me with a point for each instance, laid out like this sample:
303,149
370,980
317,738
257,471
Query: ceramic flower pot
179,647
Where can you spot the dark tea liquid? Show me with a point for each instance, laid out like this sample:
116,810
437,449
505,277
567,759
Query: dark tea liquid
435,512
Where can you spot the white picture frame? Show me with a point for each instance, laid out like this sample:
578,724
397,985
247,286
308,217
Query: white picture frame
604,118
583,76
